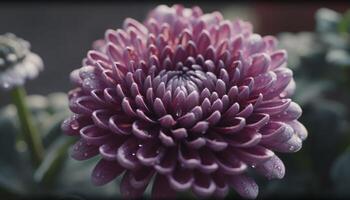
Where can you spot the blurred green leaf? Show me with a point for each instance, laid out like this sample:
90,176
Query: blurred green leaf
74,179
340,174
16,177
52,128
294,184
53,162
344,23
10,180
309,91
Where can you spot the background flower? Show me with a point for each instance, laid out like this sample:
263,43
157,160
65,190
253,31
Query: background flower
17,63
196,100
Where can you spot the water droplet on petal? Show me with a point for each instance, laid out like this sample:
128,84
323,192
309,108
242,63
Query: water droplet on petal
178,113
74,125
291,148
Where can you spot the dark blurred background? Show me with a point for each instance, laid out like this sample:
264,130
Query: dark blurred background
62,32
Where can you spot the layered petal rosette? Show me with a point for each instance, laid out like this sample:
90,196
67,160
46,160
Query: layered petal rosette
187,101
17,62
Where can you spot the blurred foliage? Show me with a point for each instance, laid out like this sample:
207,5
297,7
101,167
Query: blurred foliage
54,176
321,64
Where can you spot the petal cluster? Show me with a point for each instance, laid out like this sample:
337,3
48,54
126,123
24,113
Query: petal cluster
17,63
191,99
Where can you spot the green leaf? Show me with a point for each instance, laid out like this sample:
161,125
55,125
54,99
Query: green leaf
10,180
344,23
47,172
52,128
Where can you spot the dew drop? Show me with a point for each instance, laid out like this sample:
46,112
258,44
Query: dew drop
74,125
86,154
178,113
291,148
133,154
246,190
253,165
140,145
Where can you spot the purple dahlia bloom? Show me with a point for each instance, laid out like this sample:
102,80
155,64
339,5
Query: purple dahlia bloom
17,63
191,99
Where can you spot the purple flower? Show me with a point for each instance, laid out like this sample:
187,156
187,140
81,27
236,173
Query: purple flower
17,63
189,98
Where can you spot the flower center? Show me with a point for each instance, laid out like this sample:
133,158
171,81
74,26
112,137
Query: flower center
188,77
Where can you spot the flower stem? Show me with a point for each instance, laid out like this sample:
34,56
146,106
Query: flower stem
31,135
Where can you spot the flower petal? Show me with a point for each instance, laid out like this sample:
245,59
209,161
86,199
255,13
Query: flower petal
126,154
181,179
273,168
299,129
105,171
149,153
244,186
82,151
94,135
167,164
253,155
127,191
161,188
188,157
203,185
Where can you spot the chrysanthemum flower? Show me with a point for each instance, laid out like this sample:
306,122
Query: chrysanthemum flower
17,63
191,99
